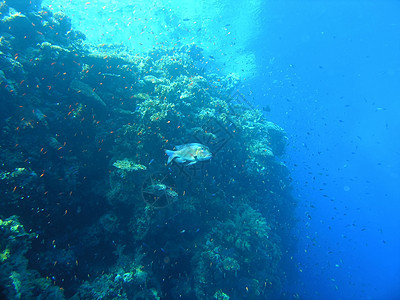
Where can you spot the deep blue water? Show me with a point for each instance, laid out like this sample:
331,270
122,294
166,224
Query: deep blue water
330,73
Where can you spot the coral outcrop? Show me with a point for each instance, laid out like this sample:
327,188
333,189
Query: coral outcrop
83,133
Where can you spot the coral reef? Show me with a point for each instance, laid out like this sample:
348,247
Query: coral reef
19,281
83,133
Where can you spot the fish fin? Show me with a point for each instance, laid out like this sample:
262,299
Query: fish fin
179,147
180,160
171,155
192,163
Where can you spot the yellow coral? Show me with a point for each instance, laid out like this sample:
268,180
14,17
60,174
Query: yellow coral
18,171
141,96
4,255
128,165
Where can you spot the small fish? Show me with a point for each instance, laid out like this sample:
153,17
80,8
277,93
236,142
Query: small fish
266,108
191,153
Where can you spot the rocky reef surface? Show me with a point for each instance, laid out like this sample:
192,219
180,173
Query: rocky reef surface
90,210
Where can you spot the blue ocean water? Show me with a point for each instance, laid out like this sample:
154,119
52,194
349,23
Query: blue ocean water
327,72
330,76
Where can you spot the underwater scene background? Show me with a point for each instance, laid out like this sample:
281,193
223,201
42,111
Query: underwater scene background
296,102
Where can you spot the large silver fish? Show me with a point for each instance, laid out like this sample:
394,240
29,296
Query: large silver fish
191,153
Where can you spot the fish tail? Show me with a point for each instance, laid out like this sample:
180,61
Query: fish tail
171,155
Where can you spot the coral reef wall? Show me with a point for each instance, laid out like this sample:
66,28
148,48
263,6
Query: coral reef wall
89,208
224,29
